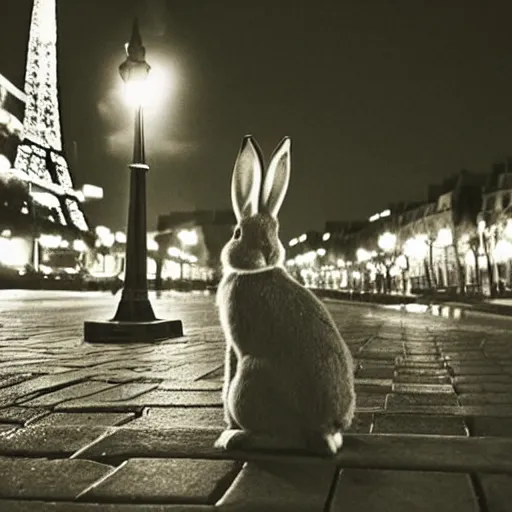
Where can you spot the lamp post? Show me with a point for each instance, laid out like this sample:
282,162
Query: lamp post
135,320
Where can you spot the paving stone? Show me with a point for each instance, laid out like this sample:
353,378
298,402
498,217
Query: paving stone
426,452
466,356
375,373
476,370
370,401
81,389
410,378
498,491
38,384
424,358
9,380
422,372
484,387
500,411
279,486
404,400
380,355
47,479
418,424
179,398
152,398
84,418
5,428
66,506
372,490
181,481
197,385
362,423
426,365
378,383
485,398
487,379
22,415
430,350
123,395
49,441
371,386
490,426
127,443
169,417
407,387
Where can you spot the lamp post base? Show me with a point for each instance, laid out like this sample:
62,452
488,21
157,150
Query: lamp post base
112,331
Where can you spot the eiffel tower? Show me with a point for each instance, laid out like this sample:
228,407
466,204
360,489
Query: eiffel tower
40,154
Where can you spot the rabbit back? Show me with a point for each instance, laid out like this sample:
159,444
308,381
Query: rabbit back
287,342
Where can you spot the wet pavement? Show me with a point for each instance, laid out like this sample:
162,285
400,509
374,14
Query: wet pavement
109,427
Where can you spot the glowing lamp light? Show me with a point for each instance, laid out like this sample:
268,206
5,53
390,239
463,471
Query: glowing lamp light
416,248
321,251
387,241
401,262
508,228
152,245
50,241
444,237
102,231
326,236
13,252
502,251
469,258
310,256
362,255
135,70
174,252
293,242
188,237
385,213
120,237
92,192
303,238
5,165
146,90
79,246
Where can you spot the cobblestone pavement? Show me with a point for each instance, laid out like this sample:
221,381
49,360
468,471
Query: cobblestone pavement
131,427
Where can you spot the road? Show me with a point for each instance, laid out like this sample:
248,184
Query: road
106,423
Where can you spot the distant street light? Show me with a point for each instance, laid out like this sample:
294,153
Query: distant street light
135,320
188,237
387,242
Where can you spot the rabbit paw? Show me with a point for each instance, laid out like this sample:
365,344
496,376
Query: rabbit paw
335,441
228,438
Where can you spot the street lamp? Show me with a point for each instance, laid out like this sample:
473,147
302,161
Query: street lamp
135,320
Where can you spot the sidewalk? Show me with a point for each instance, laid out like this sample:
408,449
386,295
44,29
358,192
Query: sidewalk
492,306
131,427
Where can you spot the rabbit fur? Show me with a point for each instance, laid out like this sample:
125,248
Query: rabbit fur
288,381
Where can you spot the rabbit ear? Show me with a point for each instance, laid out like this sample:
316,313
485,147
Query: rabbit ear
277,178
246,181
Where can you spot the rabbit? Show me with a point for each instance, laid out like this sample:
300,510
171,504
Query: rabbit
289,376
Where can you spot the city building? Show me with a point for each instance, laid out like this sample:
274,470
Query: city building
411,247
190,243
495,227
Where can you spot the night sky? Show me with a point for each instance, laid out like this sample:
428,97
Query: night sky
380,98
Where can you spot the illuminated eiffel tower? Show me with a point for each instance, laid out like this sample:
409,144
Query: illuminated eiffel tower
40,154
